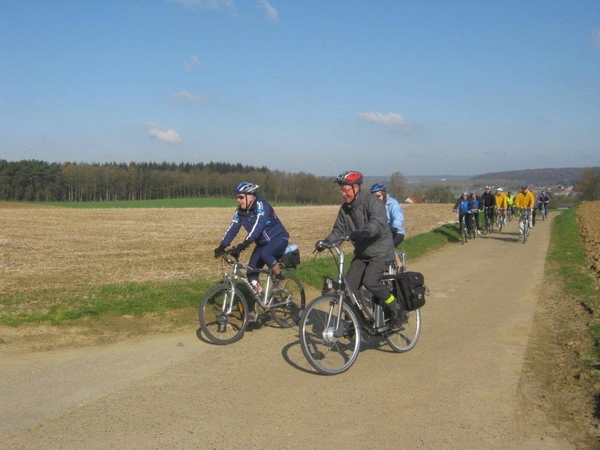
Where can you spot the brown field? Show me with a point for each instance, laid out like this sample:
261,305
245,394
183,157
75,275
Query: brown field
49,247
588,221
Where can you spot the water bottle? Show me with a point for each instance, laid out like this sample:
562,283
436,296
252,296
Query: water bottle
256,286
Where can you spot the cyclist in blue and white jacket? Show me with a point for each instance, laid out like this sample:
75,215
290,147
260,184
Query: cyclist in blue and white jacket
264,229
463,205
395,215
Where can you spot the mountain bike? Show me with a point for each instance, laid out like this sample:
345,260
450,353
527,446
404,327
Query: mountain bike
488,220
524,218
468,226
472,223
501,219
509,214
333,324
543,207
224,311
464,230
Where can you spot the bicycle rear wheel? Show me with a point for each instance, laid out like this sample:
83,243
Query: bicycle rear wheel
288,303
406,337
328,351
223,314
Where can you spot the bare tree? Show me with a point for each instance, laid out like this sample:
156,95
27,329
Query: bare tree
588,185
397,186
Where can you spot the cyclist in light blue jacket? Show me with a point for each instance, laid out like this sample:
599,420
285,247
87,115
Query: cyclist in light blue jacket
395,215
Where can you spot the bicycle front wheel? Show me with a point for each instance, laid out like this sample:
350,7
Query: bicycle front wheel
328,350
223,314
406,337
288,303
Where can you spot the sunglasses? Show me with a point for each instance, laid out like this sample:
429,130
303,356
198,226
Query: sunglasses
241,197
346,190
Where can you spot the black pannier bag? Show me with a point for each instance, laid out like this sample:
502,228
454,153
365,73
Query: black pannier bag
291,258
410,289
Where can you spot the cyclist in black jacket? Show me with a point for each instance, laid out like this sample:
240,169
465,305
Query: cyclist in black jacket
488,203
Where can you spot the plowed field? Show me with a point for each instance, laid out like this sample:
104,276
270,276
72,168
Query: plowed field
54,247
588,219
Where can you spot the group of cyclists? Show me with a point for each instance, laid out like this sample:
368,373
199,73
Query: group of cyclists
499,206
371,219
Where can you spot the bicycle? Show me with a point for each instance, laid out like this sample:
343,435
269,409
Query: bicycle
467,232
472,223
224,312
543,207
332,325
488,220
524,224
464,230
509,214
501,219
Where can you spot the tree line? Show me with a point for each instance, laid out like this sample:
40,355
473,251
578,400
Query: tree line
40,181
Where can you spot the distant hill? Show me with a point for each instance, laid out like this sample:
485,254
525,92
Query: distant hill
567,176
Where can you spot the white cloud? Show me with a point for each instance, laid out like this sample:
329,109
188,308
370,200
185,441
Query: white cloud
185,96
192,64
596,39
208,4
162,134
271,12
394,122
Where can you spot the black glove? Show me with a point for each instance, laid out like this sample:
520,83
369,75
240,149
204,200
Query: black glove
235,252
358,235
220,250
320,246
394,231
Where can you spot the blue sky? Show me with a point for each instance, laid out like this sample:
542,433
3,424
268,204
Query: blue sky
421,87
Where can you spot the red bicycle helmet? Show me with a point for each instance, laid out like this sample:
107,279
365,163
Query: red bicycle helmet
349,177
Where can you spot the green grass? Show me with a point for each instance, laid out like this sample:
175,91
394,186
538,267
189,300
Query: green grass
567,260
56,307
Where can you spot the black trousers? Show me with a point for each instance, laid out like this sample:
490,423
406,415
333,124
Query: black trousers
367,274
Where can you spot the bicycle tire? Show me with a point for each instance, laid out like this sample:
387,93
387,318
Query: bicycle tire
328,354
406,337
289,302
219,328
486,227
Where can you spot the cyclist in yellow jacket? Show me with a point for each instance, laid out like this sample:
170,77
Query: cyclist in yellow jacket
501,206
525,201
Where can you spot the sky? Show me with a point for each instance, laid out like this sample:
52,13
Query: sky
421,87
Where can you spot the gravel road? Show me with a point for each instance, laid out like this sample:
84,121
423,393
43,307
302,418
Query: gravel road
459,388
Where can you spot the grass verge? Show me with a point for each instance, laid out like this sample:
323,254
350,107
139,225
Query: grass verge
136,299
568,260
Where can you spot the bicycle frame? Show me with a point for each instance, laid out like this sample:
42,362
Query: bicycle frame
346,293
236,276
524,218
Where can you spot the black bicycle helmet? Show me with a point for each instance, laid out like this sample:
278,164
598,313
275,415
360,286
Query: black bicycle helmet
349,178
246,188
378,187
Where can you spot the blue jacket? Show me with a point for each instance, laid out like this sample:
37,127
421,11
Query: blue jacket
260,221
395,214
464,205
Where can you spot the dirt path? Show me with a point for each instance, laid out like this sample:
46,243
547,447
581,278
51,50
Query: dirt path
458,389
